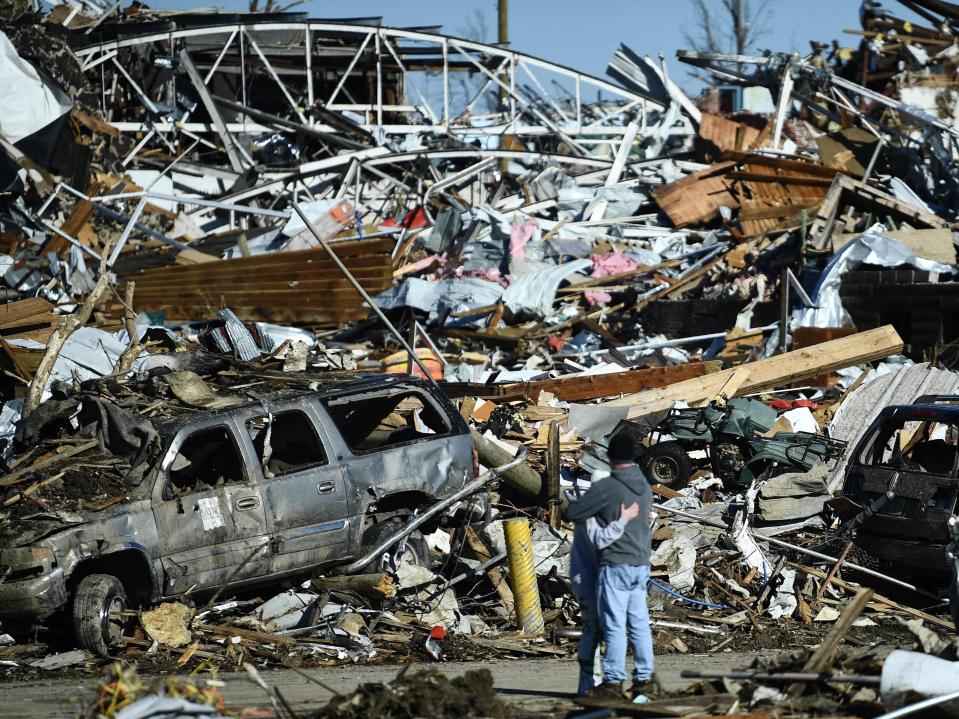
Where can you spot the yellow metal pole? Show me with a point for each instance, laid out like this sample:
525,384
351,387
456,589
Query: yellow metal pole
519,552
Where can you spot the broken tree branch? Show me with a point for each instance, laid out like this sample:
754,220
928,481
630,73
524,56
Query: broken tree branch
133,348
67,326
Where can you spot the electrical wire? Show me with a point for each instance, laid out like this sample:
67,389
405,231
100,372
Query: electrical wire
676,594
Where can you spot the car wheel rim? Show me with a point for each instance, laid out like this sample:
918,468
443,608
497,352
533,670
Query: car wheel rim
665,469
111,621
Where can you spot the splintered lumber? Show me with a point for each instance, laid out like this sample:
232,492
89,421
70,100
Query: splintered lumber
30,319
373,586
302,287
247,634
822,658
771,372
695,199
891,603
495,574
554,494
67,326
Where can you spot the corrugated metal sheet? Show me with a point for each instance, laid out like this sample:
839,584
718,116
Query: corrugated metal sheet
303,287
861,407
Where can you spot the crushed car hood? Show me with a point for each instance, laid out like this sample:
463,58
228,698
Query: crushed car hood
25,531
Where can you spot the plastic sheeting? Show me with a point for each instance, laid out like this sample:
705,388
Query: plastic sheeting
457,295
533,293
872,248
37,103
89,352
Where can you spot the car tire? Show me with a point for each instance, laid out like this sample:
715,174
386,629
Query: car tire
417,551
96,598
668,464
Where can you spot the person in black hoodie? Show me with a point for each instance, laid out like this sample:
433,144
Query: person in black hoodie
624,570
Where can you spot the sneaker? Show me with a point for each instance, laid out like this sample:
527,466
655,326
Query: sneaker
611,690
649,689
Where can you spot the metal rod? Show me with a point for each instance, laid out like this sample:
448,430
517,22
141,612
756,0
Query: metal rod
466,491
470,573
779,676
919,706
359,288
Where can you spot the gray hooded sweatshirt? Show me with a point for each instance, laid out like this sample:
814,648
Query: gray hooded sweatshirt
603,500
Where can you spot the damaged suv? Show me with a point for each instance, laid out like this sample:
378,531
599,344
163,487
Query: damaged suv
901,490
300,474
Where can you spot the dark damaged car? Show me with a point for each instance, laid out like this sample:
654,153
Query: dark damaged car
135,497
901,490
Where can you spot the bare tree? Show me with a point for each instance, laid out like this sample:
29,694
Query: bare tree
728,26
270,6
476,28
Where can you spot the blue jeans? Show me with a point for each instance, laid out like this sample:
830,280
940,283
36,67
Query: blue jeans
588,644
622,613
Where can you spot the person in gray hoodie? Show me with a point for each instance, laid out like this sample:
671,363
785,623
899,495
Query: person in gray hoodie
589,539
624,570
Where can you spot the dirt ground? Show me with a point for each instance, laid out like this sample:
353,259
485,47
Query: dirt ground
538,687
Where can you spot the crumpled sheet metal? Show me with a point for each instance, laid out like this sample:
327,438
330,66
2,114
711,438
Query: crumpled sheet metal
861,407
871,248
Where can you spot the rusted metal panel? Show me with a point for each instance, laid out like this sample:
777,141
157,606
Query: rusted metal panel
304,287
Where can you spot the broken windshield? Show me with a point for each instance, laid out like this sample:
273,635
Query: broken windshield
912,445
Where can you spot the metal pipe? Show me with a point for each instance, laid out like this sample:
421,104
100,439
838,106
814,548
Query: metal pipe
919,706
522,572
779,676
412,526
359,288
478,572
802,550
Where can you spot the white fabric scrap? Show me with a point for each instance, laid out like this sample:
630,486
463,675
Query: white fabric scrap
872,248
37,103
785,602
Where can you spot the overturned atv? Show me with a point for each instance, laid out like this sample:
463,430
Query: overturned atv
725,438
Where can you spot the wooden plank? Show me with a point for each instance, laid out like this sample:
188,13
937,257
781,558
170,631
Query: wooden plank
794,167
772,372
824,654
695,199
892,604
586,387
24,312
553,488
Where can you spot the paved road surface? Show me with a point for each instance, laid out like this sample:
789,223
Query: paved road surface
535,685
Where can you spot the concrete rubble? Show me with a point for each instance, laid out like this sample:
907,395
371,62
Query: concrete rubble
198,207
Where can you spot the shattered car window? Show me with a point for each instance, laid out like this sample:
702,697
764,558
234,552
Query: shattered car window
207,459
913,446
370,423
287,444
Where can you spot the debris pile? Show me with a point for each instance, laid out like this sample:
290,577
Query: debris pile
422,693
229,241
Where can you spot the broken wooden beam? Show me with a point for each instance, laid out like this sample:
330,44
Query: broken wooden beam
572,389
824,654
779,371
372,586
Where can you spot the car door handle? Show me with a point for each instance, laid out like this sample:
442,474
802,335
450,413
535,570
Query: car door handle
247,503
326,487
